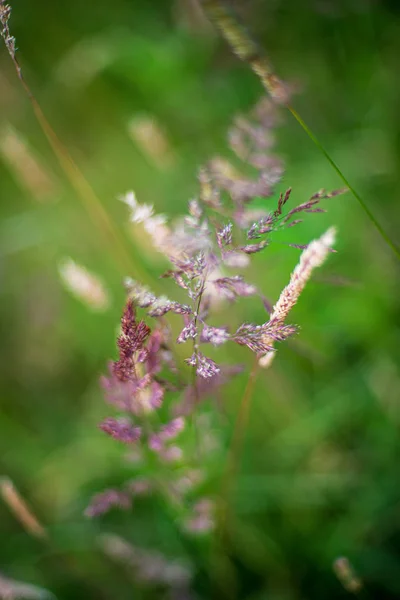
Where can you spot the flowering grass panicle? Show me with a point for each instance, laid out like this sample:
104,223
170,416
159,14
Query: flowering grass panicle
312,257
150,567
9,40
208,251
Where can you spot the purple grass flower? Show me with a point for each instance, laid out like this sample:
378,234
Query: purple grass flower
105,501
139,487
121,429
234,259
224,236
188,332
206,249
202,520
181,309
187,481
150,566
172,429
152,397
156,443
252,336
253,248
171,453
205,367
234,286
214,335
260,338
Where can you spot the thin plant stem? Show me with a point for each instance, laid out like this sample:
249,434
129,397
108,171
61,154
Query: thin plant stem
311,135
249,52
194,371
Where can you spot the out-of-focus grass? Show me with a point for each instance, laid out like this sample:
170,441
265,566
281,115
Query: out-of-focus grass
320,472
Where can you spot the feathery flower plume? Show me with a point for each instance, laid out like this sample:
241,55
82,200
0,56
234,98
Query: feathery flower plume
208,250
311,258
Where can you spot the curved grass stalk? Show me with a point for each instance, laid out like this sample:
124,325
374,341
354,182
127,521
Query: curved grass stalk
249,52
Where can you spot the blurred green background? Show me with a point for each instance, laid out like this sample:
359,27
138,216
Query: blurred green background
141,94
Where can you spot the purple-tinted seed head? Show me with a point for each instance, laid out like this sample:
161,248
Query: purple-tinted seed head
234,286
224,236
206,367
139,487
214,335
104,501
188,332
156,443
171,453
172,429
121,429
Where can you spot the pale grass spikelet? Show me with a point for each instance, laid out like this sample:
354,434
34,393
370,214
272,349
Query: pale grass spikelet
153,224
18,506
345,573
11,589
266,360
85,286
311,258
152,140
140,213
25,165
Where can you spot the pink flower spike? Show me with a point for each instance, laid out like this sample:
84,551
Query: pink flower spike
206,367
155,443
188,332
103,502
121,429
156,395
172,429
139,487
171,454
215,335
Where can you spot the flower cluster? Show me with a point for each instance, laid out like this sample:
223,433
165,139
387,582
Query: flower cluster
208,251
150,567
219,235
136,389
9,40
